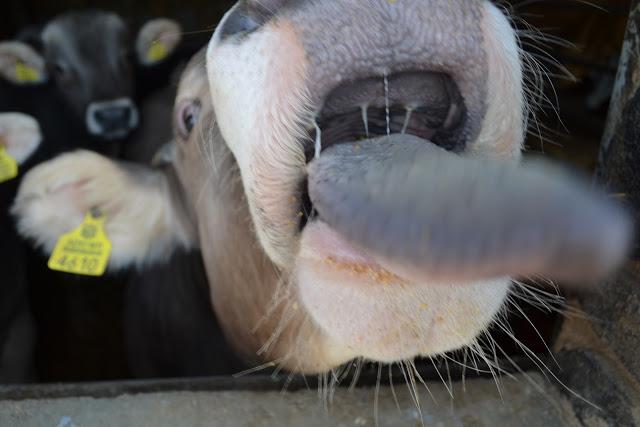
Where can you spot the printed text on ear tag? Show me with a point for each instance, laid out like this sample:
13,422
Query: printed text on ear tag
85,250
157,52
26,74
8,165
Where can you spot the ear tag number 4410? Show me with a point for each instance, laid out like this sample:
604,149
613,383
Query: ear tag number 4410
84,251
8,165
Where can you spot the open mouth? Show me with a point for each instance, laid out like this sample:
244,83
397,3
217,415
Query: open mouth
427,105
385,177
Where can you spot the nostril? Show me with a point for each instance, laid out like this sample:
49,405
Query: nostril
114,116
112,119
249,16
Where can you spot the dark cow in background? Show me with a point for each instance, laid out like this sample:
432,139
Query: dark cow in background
171,330
20,136
85,70
82,78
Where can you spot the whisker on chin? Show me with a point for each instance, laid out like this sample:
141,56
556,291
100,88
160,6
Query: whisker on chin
392,387
323,387
424,383
444,383
551,302
285,319
280,295
476,348
356,375
287,382
403,369
463,364
411,368
365,119
538,334
255,369
377,395
544,369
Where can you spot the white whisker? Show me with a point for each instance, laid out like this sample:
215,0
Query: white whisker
386,103
545,369
407,119
410,386
411,368
287,382
392,387
377,396
424,383
318,144
365,119
441,378
255,369
356,374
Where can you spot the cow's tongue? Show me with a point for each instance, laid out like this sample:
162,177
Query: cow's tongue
430,215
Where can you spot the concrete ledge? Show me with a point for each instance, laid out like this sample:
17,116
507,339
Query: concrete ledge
521,404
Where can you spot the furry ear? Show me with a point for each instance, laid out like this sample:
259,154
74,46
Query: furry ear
20,64
165,155
157,40
20,134
145,219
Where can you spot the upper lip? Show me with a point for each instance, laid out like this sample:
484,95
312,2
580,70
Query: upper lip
426,104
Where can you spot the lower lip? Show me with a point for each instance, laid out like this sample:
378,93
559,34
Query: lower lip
329,250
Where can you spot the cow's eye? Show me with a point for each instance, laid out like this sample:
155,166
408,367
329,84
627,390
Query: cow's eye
245,17
187,117
61,69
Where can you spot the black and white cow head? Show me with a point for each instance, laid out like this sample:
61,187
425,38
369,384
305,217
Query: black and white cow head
90,58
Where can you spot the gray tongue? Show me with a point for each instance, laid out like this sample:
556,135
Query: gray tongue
426,213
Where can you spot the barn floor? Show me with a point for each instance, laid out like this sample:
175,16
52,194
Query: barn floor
522,404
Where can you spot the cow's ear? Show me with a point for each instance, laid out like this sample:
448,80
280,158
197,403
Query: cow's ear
20,135
21,64
165,155
145,219
157,40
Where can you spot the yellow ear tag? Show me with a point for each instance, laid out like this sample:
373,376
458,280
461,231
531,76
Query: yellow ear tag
157,52
85,250
8,165
26,74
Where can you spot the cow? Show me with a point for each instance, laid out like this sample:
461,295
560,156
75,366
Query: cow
20,137
84,76
170,329
81,77
351,175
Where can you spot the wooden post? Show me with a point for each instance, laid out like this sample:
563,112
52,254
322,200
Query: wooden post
619,169
598,355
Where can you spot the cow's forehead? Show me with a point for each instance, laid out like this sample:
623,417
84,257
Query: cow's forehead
193,82
88,22
87,33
